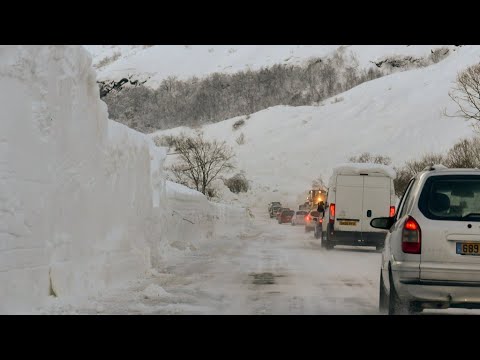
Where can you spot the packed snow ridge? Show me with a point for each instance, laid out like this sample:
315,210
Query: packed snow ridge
84,204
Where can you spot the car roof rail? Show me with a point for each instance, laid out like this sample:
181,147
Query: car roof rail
435,167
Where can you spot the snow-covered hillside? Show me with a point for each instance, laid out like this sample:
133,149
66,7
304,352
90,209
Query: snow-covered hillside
398,115
158,62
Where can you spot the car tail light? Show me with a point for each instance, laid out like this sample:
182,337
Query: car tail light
307,217
411,237
320,221
332,213
392,211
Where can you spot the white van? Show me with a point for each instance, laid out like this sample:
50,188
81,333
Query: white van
357,193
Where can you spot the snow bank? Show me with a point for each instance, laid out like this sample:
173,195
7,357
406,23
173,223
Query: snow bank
83,200
154,291
194,220
75,188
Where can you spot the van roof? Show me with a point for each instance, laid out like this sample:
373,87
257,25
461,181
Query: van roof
361,168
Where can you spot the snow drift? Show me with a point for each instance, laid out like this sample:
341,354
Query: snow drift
83,200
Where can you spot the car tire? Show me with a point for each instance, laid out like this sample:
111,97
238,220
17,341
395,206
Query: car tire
396,306
383,297
328,240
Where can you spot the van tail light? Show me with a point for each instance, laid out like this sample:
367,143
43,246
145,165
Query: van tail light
392,211
332,213
411,237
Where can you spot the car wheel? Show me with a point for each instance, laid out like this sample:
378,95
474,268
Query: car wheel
383,299
328,241
395,305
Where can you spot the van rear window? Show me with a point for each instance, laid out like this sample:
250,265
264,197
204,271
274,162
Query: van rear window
451,197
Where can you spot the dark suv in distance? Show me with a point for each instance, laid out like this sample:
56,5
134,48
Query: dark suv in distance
274,209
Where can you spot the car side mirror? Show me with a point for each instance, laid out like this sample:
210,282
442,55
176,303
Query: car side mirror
384,223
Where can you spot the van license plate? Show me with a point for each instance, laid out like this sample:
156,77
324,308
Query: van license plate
348,223
465,248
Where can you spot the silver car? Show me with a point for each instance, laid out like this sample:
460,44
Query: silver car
299,217
431,257
311,220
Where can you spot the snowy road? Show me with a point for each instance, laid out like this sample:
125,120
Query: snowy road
274,269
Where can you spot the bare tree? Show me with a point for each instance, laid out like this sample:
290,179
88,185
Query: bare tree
464,154
200,161
237,183
429,159
412,167
366,157
466,93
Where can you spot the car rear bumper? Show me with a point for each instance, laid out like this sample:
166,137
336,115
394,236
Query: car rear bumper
441,294
357,238
435,293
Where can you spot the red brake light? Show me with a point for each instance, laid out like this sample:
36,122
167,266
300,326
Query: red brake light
411,237
320,220
392,211
332,213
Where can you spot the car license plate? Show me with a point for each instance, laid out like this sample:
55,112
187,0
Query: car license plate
466,248
348,223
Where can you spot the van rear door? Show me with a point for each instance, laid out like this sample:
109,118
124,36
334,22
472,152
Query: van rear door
376,200
348,202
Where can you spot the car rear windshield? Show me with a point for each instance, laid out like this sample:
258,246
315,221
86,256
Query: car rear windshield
288,213
315,213
451,197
